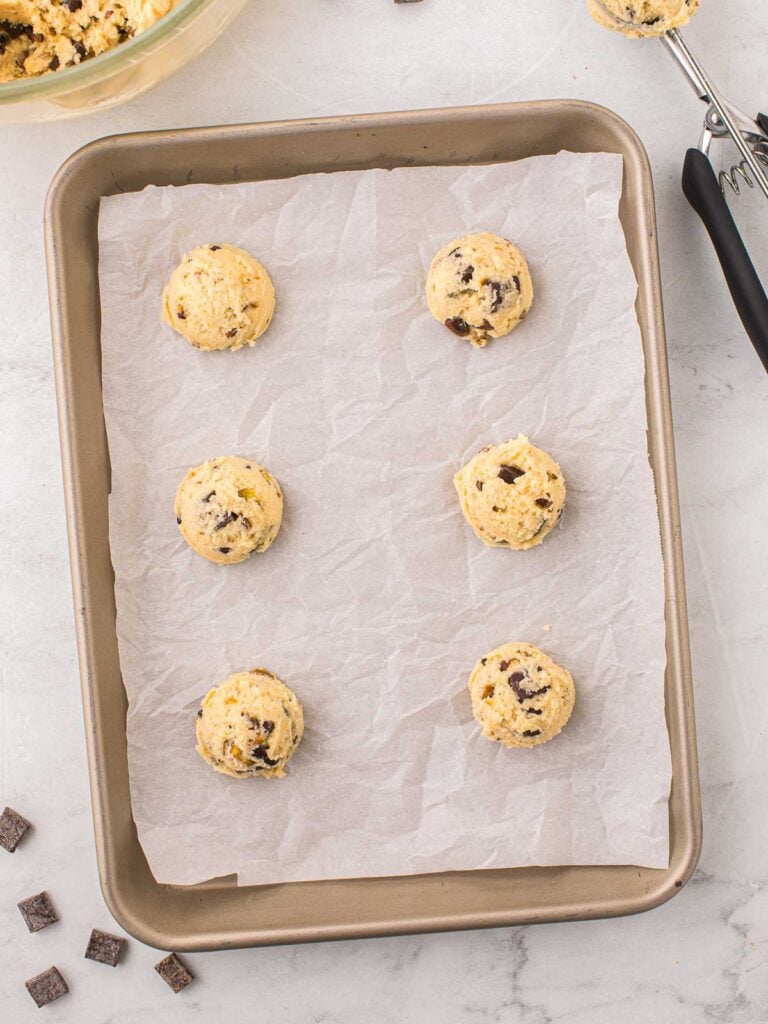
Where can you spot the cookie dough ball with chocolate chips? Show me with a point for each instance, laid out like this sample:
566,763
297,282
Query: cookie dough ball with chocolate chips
219,297
229,507
250,726
520,697
480,287
641,19
511,494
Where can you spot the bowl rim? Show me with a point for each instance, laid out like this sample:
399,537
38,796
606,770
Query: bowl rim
103,64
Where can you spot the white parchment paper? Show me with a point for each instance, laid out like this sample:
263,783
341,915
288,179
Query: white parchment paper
376,600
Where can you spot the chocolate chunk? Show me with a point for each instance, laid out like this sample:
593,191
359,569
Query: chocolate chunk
225,520
496,508
74,5
181,314
12,829
200,713
80,49
38,911
46,987
483,661
516,677
520,692
543,502
457,326
516,282
260,754
174,972
55,62
178,521
225,551
268,727
208,497
488,691
497,296
466,276
503,666
214,248
486,325
246,523
104,948
510,473
532,732
14,29
479,484
232,333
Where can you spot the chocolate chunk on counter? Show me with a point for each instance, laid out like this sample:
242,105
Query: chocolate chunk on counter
12,829
46,987
38,911
174,973
104,948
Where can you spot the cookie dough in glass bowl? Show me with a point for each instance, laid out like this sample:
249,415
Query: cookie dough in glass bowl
86,63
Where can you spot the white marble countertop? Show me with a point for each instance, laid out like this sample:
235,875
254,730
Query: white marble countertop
704,956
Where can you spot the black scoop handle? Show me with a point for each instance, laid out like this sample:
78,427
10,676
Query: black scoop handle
703,192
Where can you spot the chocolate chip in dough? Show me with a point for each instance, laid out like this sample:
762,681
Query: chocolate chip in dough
457,326
225,520
497,296
510,473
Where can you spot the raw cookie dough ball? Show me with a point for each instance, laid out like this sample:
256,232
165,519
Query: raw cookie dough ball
520,697
250,725
228,508
643,18
512,495
219,297
480,287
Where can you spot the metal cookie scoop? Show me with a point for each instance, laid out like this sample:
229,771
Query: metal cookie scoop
705,191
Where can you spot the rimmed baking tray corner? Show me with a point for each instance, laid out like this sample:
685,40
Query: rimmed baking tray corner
219,914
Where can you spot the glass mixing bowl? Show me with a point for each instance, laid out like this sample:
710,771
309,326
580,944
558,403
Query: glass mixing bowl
121,73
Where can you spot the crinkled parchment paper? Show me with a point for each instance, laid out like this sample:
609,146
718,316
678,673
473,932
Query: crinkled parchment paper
377,599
